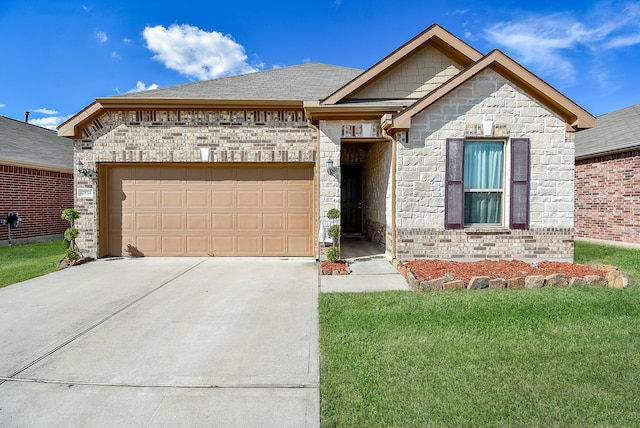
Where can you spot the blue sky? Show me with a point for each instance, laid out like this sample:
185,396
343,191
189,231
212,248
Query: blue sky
57,57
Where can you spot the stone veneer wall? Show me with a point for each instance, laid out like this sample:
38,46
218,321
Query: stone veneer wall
421,174
608,197
152,136
378,202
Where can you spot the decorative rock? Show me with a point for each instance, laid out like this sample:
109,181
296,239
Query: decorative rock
556,280
436,284
534,281
575,282
478,282
453,285
617,279
515,282
497,283
595,280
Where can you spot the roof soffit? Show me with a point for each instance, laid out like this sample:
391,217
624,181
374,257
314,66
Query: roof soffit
574,115
435,36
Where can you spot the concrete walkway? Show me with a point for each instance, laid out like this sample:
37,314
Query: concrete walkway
162,342
371,270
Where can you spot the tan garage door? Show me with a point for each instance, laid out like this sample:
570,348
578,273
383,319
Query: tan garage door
210,210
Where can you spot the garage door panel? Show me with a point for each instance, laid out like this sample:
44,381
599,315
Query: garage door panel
223,199
299,245
274,222
147,245
146,199
197,198
223,245
248,222
172,245
171,222
146,221
299,222
273,198
197,221
248,199
223,222
248,245
197,244
210,210
274,245
300,198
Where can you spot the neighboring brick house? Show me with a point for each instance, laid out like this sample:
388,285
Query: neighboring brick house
36,180
607,181
437,151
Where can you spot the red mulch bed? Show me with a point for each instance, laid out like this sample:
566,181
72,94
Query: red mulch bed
425,270
339,267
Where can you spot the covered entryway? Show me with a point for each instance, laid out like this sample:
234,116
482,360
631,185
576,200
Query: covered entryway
207,210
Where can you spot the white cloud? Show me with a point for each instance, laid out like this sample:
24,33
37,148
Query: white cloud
197,53
544,42
115,55
102,36
306,60
2,105
127,41
140,86
44,111
51,122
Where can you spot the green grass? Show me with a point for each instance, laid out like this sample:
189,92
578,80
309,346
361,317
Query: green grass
625,259
547,357
26,261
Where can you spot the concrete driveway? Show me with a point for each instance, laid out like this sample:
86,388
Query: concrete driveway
162,342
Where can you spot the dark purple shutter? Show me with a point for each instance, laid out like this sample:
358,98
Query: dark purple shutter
454,185
519,218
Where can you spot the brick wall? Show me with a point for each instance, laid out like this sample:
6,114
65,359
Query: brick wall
608,197
154,136
39,197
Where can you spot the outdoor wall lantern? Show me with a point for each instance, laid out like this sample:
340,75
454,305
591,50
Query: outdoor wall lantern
82,170
330,167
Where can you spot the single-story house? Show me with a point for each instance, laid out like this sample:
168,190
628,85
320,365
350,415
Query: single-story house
607,182
36,180
435,151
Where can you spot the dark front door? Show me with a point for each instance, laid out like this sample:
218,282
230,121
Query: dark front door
351,206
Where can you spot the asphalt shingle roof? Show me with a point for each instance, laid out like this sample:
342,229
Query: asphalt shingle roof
23,143
306,82
613,132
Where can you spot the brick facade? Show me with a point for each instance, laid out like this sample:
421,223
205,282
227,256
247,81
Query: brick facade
154,136
607,192
39,196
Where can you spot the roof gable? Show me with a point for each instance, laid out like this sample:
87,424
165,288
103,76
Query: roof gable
574,115
430,58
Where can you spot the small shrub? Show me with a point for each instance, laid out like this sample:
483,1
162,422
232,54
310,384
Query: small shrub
334,233
71,233
333,254
333,214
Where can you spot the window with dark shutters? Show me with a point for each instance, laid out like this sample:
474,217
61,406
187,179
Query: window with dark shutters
519,184
519,217
454,187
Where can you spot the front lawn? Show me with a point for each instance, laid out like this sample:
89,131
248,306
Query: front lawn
547,357
26,261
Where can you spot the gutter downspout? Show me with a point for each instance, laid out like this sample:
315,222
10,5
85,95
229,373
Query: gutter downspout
317,186
394,162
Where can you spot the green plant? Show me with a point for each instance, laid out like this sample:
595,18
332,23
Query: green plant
333,254
70,235
333,214
334,233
